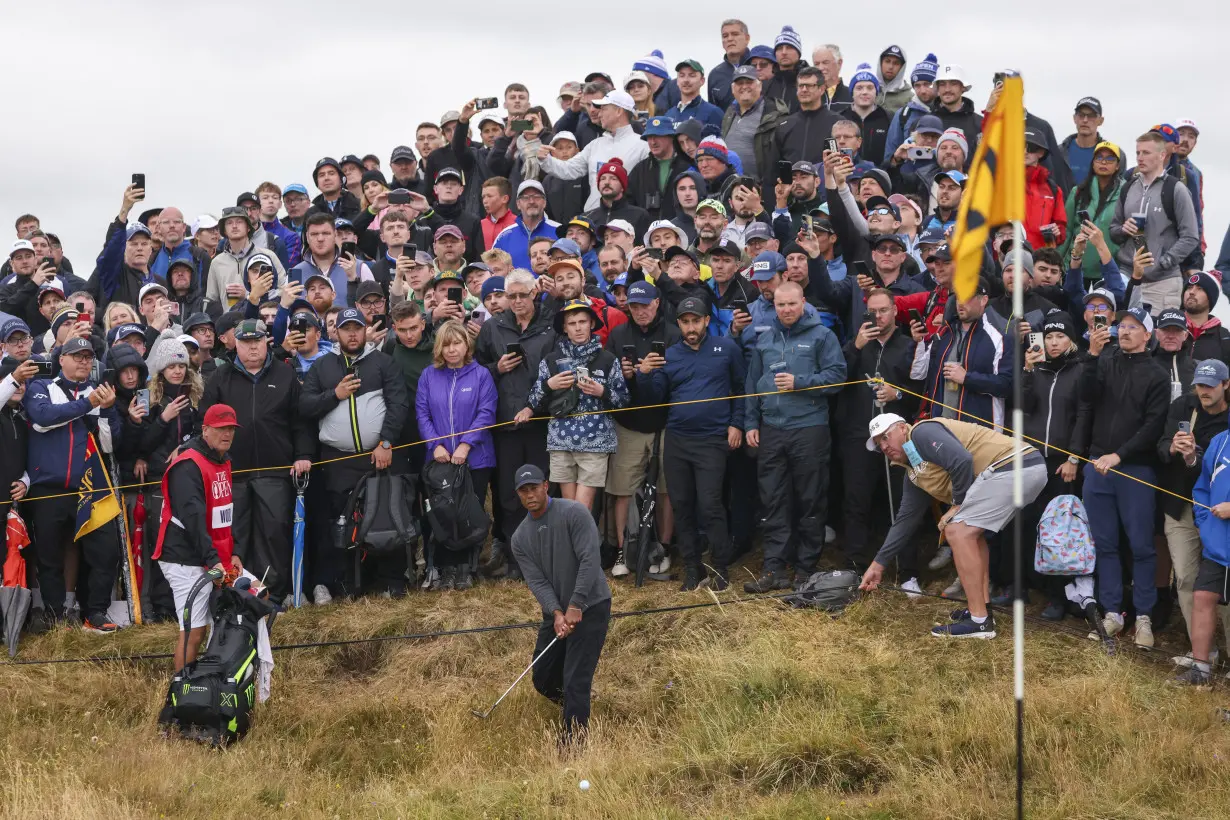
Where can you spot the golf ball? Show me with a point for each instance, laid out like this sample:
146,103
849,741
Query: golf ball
584,785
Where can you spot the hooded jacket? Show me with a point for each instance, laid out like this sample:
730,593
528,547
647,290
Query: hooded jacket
984,353
228,268
622,208
347,206
452,213
536,341
1213,488
682,218
1056,420
159,438
874,129
127,451
1209,341
1169,243
897,92
802,136
161,263
449,401
565,197
19,297
291,240
782,86
14,434
1043,205
273,433
412,361
812,354
372,414
900,127
1129,394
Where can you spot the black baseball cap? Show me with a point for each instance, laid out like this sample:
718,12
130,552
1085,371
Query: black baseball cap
727,247
693,305
1172,318
528,474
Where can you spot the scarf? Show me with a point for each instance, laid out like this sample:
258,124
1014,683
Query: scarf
529,156
581,354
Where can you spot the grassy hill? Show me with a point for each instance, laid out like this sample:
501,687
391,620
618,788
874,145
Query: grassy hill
740,711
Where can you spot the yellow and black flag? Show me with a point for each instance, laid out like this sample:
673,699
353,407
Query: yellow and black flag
96,501
995,191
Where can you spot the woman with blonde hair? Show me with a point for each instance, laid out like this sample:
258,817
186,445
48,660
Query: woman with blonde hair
456,396
118,313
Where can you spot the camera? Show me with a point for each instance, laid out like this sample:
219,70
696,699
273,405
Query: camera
919,153
399,196
653,201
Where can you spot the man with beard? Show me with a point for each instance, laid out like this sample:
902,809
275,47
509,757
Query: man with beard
710,223
700,432
1210,339
796,200
612,182
949,187
569,278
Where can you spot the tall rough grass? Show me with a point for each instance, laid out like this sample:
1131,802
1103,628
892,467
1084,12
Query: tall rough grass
739,711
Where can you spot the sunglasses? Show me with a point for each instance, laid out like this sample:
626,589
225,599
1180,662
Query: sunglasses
516,297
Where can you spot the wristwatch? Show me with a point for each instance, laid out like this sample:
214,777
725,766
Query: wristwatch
1073,460
386,445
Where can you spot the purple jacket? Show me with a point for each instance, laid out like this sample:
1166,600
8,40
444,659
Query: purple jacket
452,401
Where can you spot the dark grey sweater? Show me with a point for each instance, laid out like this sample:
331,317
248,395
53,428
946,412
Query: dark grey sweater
558,554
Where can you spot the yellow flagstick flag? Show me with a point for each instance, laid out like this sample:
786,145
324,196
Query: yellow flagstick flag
995,191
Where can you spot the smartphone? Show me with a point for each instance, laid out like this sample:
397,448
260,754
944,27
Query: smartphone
739,304
352,370
1083,216
1185,427
399,197
869,318
916,316
143,398
410,250
47,260
138,181
785,173
809,225
454,295
1099,322
380,320
298,324
1035,341
82,316
173,308
351,248
654,253
629,353
998,77
46,369
486,103
515,349
832,146
582,373
521,125
862,268
658,348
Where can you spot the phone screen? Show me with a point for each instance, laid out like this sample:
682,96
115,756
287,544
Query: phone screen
351,248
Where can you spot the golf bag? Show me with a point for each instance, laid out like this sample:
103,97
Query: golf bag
641,546
458,520
830,591
210,699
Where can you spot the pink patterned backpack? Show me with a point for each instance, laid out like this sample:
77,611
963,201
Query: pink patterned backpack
1065,545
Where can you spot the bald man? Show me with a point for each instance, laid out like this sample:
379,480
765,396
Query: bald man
172,231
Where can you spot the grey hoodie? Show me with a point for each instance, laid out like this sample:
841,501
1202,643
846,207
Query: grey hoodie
897,92
1169,243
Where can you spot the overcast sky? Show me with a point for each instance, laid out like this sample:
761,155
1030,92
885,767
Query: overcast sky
209,100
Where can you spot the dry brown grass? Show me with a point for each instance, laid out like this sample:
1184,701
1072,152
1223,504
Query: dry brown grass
743,711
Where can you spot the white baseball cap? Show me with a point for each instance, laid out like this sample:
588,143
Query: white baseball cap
21,245
952,71
878,426
530,184
620,99
620,225
1186,124
204,222
563,135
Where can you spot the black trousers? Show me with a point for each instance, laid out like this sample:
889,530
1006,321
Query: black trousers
793,469
514,447
55,523
566,673
741,495
866,502
264,517
695,469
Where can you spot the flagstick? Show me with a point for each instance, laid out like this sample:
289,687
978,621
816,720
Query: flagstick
1018,501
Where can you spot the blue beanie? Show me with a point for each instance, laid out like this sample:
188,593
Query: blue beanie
789,37
864,74
653,63
926,70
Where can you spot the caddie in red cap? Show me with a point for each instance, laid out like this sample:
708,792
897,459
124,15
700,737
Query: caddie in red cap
195,530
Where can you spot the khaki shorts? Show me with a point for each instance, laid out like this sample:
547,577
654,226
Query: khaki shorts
579,468
628,464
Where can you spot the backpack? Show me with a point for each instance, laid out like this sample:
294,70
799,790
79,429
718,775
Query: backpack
1065,544
458,520
561,403
210,699
1168,183
830,591
378,516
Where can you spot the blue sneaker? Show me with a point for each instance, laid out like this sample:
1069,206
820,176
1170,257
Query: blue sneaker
966,628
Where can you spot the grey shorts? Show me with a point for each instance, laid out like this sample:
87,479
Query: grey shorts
988,502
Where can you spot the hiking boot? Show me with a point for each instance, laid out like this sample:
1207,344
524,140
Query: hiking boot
1144,631
464,579
800,577
912,589
769,582
943,557
718,580
1054,611
321,595
497,565
1111,626
448,577
100,623
954,590
691,579
621,565
1192,676
40,622
966,628
431,580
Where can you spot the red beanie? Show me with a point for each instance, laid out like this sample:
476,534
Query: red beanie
615,166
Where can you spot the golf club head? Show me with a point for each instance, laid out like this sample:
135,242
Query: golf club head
478,714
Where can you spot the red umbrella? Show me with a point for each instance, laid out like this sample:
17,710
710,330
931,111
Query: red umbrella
15,597
138,538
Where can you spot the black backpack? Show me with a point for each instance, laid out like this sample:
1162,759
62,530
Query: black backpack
379,515
830,591
210,699
458,520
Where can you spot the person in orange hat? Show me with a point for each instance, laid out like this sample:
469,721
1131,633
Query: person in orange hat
195,531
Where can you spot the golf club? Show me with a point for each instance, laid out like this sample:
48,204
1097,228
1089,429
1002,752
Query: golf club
485,715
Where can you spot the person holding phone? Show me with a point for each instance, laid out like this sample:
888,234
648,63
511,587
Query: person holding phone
324,258
124,264
229,279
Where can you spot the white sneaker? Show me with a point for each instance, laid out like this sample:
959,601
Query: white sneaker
321,596
621,566
661,567
912,590
1113,626
830,534
954,590
1144,631
942,558
1186,661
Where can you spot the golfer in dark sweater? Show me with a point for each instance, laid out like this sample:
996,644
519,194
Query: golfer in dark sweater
556,546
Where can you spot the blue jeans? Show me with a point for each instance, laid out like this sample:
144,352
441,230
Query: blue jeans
1111,500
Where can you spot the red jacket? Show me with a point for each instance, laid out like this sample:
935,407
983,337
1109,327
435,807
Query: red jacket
929,303
492,228
1043,205
611,317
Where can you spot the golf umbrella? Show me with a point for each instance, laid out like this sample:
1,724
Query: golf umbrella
296,561
138,538
14,595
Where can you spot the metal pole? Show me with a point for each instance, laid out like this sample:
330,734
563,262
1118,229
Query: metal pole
1018,501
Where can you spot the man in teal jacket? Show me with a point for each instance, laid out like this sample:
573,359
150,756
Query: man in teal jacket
795,353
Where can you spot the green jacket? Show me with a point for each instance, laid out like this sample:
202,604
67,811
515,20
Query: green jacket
412,363
1102,209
